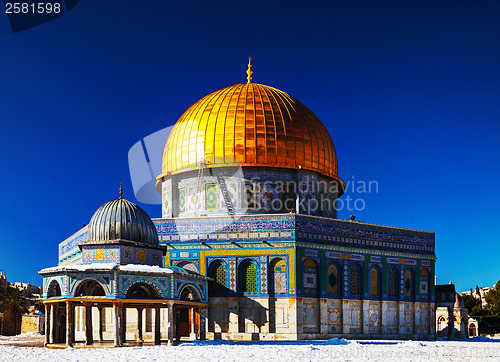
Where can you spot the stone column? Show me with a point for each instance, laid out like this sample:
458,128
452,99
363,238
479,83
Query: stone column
157,326
48,308
139,325
451,322
203,324
193,334
89,338
123,325
99,309
53,312
116,312
69,324
177,314
171,324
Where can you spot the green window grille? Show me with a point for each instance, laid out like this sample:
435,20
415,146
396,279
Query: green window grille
218,273
392,283
374,282
248,281
355,282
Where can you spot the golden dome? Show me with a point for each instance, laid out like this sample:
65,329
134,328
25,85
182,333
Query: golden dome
256,125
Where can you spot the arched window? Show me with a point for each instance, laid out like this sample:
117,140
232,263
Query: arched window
355,280
442,323
333,279
310,277
408,284
188,266
392,283
277,277
218,273
424,281
374,282
248,278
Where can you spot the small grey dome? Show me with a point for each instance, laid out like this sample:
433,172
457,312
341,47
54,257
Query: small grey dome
123,220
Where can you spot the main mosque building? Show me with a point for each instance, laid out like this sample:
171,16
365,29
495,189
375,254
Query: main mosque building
249,189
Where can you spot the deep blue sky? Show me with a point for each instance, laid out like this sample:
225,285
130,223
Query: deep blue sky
409,91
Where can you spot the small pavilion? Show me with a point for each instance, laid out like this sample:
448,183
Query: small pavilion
119,294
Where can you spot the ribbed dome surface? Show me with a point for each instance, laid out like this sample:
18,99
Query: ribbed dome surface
256,125
121,219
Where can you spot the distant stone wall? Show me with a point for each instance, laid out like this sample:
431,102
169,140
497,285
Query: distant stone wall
33,323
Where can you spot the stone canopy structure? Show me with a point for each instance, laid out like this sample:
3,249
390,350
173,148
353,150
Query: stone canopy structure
120,271
250,192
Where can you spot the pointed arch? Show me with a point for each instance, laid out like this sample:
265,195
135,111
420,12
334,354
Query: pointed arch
188,266
310,276
154,287
143,290
409,288
247,281
54,289
218,272
375,285
392,283
190,293
424,282
278,281
333,279
89,287
355,286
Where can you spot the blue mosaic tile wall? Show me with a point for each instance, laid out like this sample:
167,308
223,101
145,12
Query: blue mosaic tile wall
69,247
291,227
122,254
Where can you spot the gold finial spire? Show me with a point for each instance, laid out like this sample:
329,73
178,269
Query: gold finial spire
249,70
121,189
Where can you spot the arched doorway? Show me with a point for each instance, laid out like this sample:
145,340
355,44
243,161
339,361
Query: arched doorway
442,324
187,317
472,330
